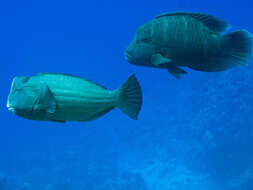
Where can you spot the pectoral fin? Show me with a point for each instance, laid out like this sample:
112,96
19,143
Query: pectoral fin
176,72
46,102
158,59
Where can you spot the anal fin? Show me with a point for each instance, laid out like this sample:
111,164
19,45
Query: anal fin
99,114
58,121
176,72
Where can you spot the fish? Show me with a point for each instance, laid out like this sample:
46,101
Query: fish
193,40
63,97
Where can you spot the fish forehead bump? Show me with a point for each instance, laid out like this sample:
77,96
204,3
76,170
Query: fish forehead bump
144,32
19,81
17,89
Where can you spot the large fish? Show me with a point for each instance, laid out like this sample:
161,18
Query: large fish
61,97
193,40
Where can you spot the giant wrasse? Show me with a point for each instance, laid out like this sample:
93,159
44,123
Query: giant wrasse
194,40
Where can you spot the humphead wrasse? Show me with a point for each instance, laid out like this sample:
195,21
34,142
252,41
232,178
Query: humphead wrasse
62,97
194,40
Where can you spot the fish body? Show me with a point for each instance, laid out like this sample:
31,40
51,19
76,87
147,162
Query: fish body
61,97
193,40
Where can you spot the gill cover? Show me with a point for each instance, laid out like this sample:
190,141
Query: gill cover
139,53
31,100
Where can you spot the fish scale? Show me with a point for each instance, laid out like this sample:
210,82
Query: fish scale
184,36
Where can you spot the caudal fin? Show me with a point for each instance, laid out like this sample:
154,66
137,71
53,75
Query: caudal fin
130,97
238,47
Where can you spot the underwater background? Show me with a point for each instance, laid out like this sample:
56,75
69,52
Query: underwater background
195,133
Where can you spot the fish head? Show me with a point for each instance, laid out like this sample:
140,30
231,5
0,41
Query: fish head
22,97
139,53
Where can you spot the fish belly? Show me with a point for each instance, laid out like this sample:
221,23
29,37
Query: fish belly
82,107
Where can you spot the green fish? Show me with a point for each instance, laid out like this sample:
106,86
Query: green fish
194,40
63,97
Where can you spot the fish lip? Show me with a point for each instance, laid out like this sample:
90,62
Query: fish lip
10,108
8,105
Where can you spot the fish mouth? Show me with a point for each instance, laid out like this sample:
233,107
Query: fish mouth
10,108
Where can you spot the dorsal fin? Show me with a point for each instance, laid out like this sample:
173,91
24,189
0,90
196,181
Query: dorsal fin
70,75
213,23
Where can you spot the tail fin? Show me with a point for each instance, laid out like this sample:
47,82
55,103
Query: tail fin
239,47
130,97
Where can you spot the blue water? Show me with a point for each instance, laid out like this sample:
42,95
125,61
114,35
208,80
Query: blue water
195,133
